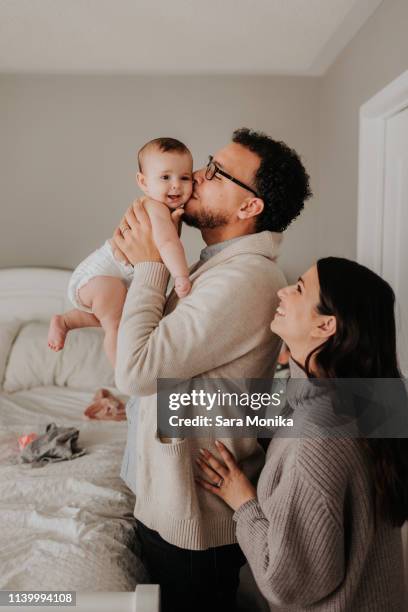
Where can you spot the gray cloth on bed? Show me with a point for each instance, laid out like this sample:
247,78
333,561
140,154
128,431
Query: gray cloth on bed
56,444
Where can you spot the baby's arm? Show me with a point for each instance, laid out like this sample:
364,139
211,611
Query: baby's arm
170,246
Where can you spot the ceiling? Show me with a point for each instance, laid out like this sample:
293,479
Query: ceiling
299,37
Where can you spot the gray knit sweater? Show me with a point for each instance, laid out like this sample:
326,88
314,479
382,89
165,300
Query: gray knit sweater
310,537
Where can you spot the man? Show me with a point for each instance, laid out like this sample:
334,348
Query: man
249,192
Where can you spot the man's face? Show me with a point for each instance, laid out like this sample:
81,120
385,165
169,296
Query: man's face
217,202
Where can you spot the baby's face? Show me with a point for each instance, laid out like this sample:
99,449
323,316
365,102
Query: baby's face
167,177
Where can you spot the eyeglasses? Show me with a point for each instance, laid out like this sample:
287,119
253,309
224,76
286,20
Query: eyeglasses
212,169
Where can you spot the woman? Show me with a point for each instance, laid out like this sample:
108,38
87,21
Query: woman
322,529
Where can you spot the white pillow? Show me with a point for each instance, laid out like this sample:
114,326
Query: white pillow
82,363
8,332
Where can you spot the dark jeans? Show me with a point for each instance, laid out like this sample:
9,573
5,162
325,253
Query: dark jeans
192,580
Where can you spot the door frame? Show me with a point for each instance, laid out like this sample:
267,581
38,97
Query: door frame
373,115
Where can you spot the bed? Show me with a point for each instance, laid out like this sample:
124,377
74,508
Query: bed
66,525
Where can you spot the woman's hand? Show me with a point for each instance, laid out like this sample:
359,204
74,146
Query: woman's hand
225,480
133,238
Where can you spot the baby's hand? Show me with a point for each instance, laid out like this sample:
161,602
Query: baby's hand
176,218
182,286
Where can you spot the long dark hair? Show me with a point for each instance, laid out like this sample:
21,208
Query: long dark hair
364,346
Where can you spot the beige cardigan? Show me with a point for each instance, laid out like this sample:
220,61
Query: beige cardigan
221,329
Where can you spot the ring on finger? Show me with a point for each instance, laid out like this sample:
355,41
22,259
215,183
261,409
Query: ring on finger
124,229
219,483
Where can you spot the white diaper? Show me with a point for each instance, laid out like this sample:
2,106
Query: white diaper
99,263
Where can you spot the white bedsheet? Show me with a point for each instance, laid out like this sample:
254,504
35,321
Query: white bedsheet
68,525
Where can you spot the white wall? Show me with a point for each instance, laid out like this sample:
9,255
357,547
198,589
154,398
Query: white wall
68,145
68,149
375,57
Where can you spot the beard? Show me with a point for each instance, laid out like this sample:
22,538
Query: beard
205,220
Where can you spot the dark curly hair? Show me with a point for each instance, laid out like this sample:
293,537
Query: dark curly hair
281,180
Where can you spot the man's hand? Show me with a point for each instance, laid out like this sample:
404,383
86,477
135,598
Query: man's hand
133,238
117,253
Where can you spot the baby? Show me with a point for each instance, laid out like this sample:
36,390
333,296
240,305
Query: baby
98,286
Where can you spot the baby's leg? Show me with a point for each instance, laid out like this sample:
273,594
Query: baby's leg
61,324
105,296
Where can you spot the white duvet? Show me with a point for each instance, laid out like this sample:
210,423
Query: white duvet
68,525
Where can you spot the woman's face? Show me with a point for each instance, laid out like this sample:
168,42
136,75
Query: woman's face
296,320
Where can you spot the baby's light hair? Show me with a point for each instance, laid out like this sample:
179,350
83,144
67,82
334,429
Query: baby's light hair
161,144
